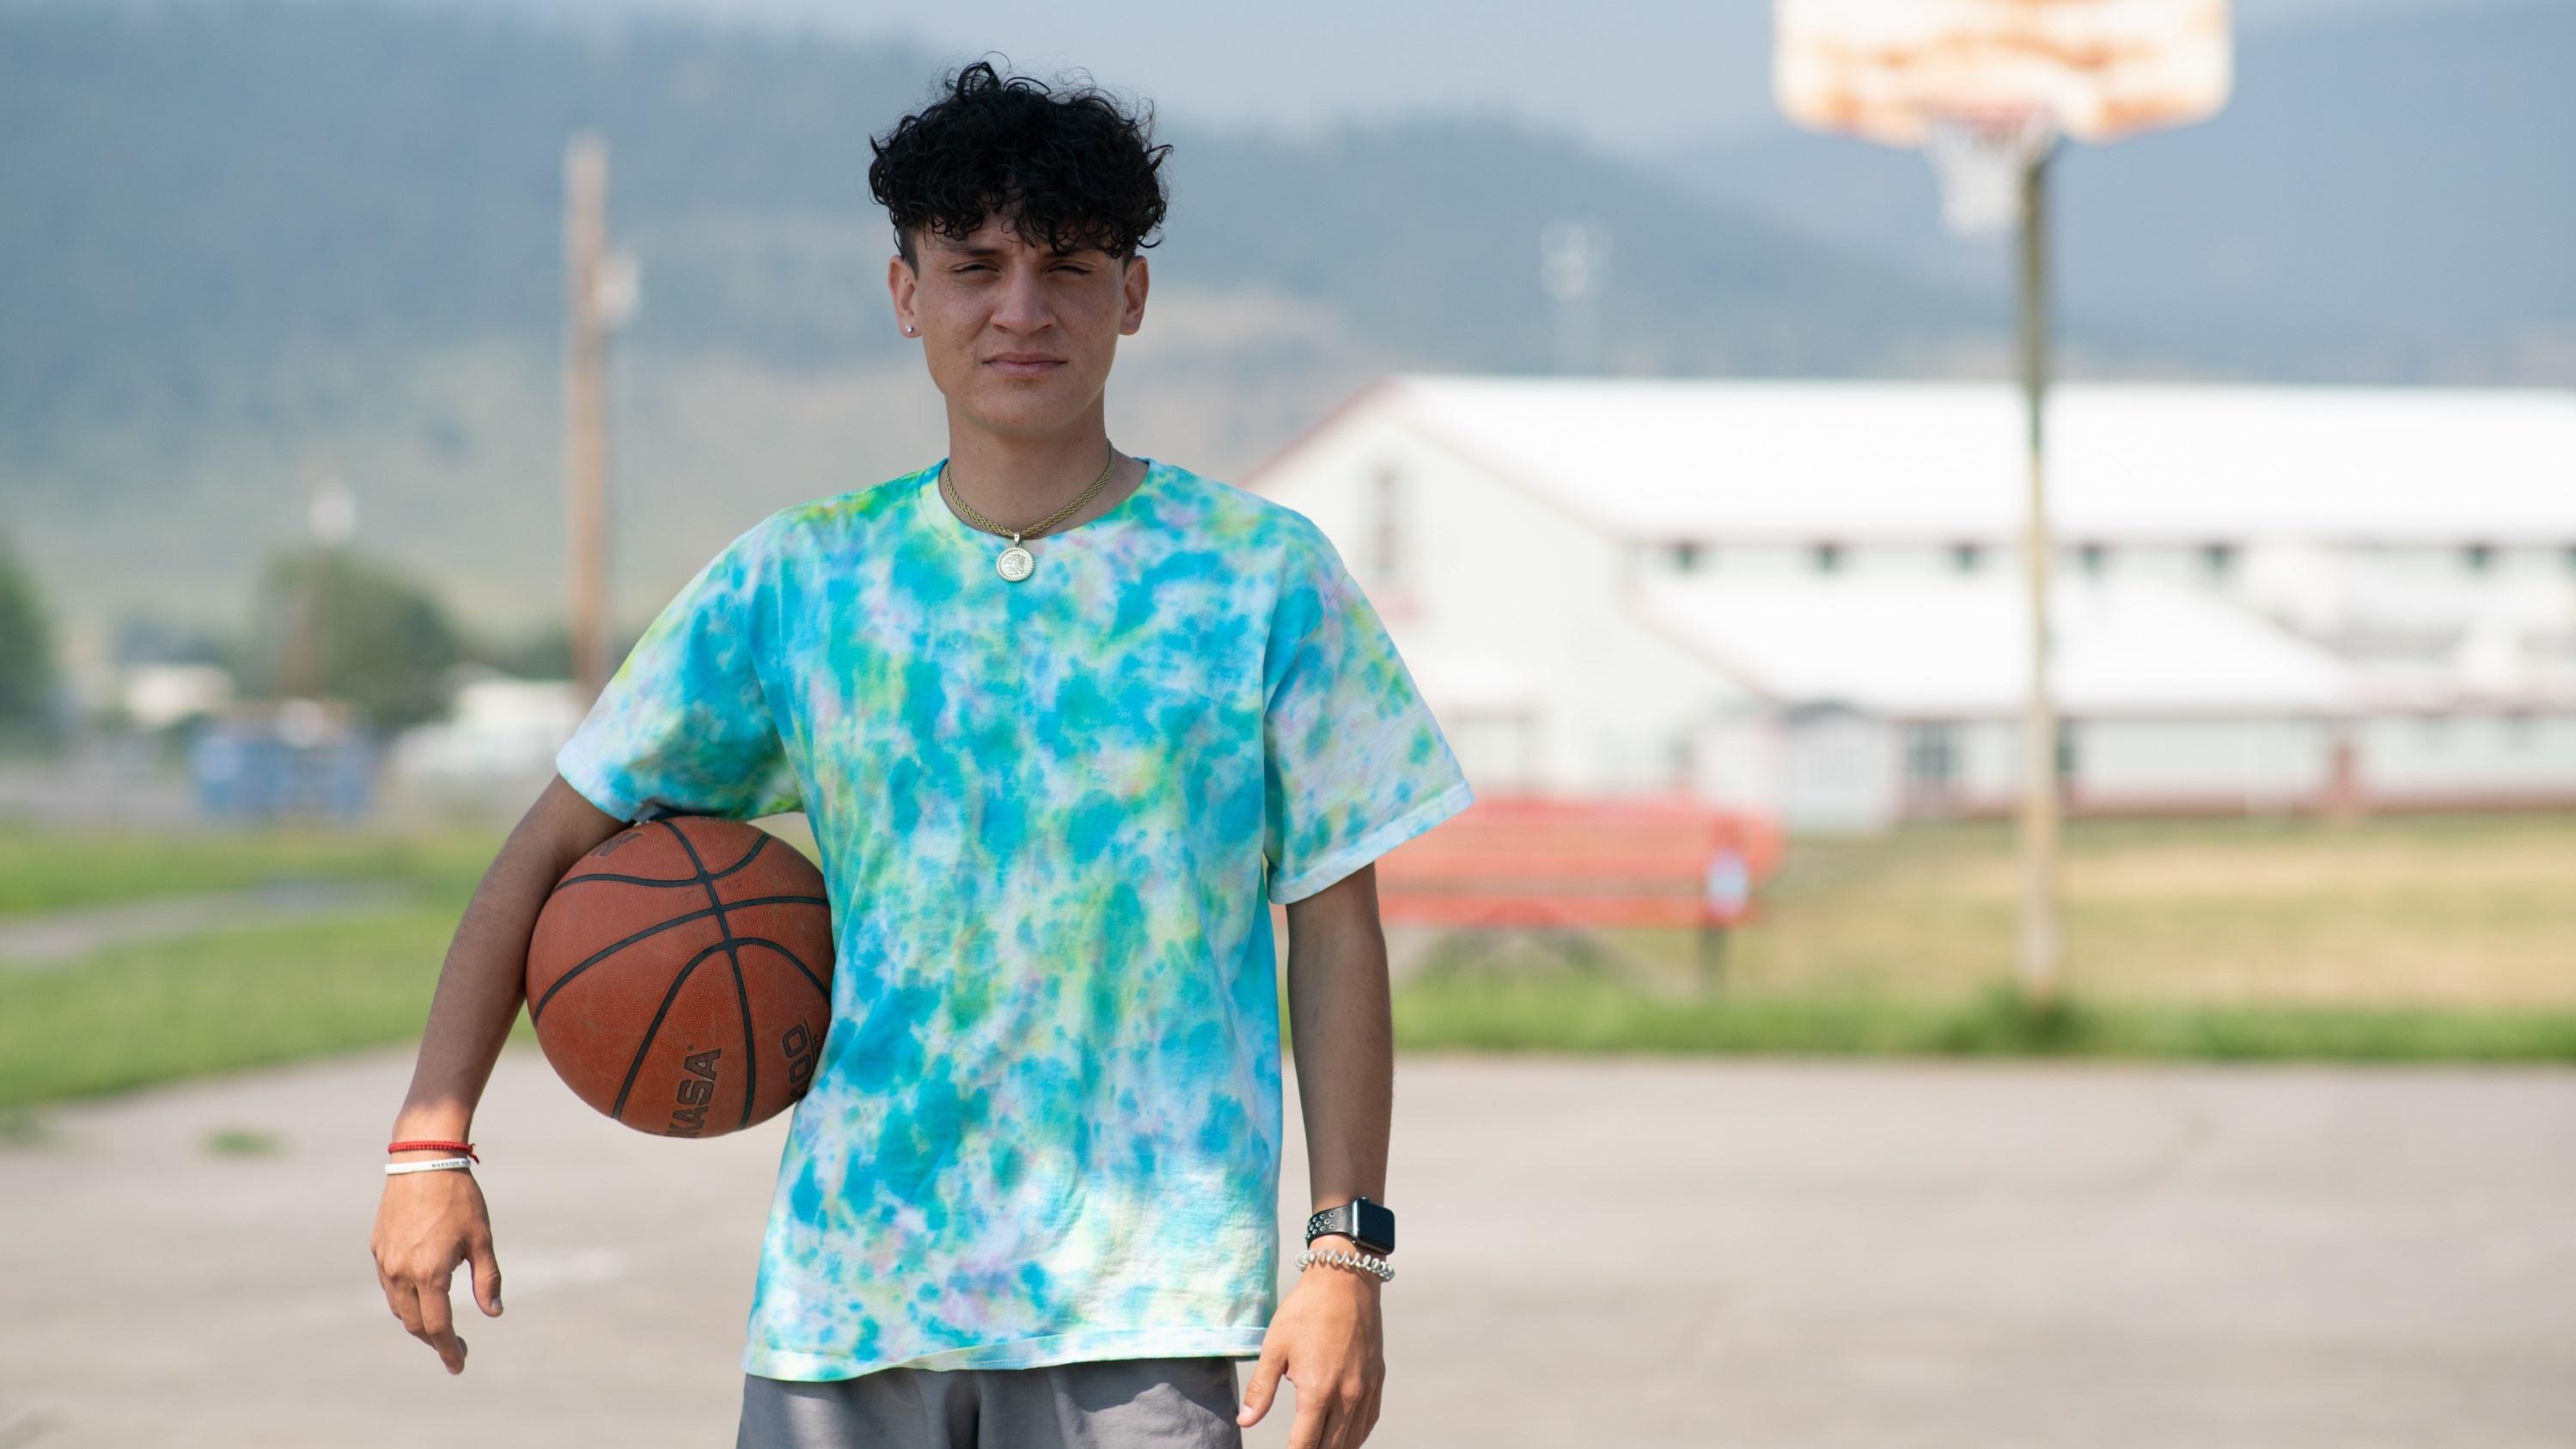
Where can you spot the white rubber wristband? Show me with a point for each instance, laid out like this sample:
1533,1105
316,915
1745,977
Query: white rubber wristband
426,1164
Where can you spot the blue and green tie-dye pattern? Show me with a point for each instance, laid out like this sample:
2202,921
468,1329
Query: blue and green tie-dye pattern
1046,1126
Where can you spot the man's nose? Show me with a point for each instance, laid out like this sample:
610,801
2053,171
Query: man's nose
1022,307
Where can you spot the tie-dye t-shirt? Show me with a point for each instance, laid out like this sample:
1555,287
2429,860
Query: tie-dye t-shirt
1050,812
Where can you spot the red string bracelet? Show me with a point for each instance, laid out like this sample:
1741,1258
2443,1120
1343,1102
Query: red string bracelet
465,1147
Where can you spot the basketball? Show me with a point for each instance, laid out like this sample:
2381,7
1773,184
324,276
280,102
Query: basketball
680,976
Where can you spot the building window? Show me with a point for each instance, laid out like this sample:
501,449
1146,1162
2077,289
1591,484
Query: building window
2218,558
1931,765
1685,556
1828,557
1681,762
2066,752
1931,757
1389,560
1967,558
2093,558
2517,730
2479,557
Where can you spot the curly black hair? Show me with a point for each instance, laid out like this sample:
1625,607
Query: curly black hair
1069,168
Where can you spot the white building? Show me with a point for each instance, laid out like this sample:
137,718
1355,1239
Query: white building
495,749
1807,596
157,696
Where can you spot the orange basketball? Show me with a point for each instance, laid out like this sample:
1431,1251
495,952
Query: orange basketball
680,976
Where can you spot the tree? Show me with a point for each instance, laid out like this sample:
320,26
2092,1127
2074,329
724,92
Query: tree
330,622
26,653
542,652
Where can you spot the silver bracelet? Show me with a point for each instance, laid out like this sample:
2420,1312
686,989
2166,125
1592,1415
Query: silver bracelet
1365,1262
426,1164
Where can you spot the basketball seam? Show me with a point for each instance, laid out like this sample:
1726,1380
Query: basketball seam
750,1048
686,880
632,1067
604,952
750,1043
791,958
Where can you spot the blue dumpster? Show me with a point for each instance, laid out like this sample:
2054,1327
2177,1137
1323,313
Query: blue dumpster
299,759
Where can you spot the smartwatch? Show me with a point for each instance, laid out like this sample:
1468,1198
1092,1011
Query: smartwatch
1366,1223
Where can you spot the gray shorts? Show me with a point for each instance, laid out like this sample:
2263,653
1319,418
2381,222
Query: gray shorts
1118,1403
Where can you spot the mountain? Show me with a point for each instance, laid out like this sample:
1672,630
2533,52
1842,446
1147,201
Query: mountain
248,242
198,186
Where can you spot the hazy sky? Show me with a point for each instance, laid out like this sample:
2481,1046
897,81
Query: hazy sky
1620,72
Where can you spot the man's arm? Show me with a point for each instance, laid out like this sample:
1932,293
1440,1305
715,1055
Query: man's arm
428,1222
1342,1033
1327,1335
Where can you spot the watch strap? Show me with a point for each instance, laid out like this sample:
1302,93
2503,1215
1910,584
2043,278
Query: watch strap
1369,1224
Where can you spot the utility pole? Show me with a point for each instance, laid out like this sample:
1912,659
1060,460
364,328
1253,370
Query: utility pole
586,407
601,287
2040,803
1574,262
330,517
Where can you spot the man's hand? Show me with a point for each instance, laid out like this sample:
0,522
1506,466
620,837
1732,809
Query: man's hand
1327,1339
426,1224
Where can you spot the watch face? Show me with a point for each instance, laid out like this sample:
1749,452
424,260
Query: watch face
1369,1225
1376,1230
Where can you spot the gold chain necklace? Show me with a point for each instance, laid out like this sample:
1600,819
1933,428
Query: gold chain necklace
1014,562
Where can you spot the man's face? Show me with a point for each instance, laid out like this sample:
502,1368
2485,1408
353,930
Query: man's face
1017,337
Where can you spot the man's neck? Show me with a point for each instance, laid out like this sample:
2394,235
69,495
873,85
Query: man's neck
1021,480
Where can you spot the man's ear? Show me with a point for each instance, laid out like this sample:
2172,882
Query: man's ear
1135,280
900,281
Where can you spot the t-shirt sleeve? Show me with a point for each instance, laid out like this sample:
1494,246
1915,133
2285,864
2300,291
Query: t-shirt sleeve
684,726
1355,765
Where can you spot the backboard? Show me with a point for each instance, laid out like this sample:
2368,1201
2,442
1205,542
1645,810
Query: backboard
2096,69
1986,87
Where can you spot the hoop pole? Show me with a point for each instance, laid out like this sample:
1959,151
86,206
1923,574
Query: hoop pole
2040,946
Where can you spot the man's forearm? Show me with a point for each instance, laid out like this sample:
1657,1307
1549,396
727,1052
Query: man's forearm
1343,1037
483,980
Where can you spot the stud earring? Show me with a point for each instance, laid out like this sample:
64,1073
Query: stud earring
907,329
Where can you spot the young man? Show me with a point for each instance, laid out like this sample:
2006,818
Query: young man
1064,722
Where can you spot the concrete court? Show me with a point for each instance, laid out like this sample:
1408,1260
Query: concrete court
1744,1252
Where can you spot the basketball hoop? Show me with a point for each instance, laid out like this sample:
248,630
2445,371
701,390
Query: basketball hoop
1988,86
1979,158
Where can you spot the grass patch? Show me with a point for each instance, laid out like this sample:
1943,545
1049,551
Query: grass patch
143,1013
1463,1008
20,1128
44,868
242,1142
2433,938
2417,911
152,1012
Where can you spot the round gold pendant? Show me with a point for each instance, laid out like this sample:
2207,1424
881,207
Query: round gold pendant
1014,564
